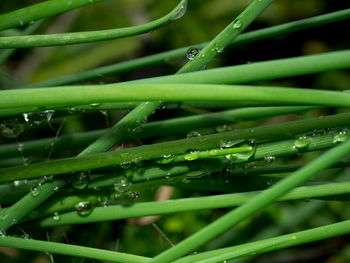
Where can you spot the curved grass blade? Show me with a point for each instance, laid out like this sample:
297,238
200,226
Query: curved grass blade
90,36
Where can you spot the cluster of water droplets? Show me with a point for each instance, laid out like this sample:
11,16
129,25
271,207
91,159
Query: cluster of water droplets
38,118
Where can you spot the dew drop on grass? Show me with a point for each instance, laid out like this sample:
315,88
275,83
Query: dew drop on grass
81,180
192,53
193,155
94,105
122,185
125,165
134,195
180,12
38,118
84,208
341,136
2,232
35,190
25,236
269,159
193,134
166,159
20,147
229,144
56,216
237,24
11,128
301,143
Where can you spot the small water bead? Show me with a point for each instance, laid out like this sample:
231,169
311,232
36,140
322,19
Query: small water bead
125,165
11,128
197,174
35,190
237,24
80,181
56,189
20,147
166,159
229,144
37,118
192,53
122,185
2,232
180,12
222,128
25,236
193,155
269,159
193,134
94,104
84,208
56,216
14,222
137,159
301,143
341,136
134,195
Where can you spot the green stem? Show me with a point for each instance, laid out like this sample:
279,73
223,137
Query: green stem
5,54
254,204
148,152
117,212
32,13
78,95
270,244
180,53
90,36
70,250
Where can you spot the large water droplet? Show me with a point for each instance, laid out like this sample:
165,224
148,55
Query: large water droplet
80,181
301,143
192,53
35,190
122,185
37,118
11,128
84,208
180,12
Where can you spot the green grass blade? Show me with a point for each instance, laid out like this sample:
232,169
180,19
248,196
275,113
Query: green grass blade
45,9
271,244
70,250
69,96
89,36
148,152
253,205
117,212
5,54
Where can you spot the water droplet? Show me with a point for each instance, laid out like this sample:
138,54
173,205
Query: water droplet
2,232
125,165
134,195
94,104
301,143
214,152
237,24
56,216
166,159
35,190
196,174
137,159
17,183
193,134
25,236
84,208
341,136
193,155
180,12
20,147
13,222
269,159
242,156
37,118
56,189
230,144
80,181
11,128
122,185
222,128
192,53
